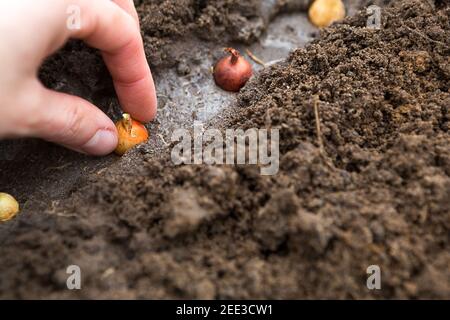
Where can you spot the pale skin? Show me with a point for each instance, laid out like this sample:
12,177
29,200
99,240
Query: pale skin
32,30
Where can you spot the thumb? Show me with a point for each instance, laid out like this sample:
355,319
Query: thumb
72,122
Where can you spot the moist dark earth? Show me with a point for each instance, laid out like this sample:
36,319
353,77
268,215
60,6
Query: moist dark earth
375,191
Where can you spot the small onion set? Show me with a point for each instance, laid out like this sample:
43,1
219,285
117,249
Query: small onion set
131,133
232,72
9,207
323,13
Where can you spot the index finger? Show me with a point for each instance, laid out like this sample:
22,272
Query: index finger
107,27
128,6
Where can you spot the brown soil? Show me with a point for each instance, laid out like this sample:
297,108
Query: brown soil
376,194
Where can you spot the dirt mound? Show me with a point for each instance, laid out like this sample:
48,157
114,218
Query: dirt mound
375,194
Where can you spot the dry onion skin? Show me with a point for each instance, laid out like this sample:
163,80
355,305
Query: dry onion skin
9,207
131,133
232,72
323,13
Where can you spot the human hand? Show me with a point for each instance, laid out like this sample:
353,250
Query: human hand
32,30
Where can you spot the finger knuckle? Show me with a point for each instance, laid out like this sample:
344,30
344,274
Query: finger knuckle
71,125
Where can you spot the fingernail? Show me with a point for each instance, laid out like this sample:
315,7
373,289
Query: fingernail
102,143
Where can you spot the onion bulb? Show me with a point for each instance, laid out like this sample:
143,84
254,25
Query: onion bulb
131,133
232,72
9,207
323,13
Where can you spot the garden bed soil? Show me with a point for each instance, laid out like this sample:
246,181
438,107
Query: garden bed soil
376,193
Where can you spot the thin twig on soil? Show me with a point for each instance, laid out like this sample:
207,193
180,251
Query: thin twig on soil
59,167
425,36
185,84
255,58
101,171
319,133
162,139
318,128
108,272
271,63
